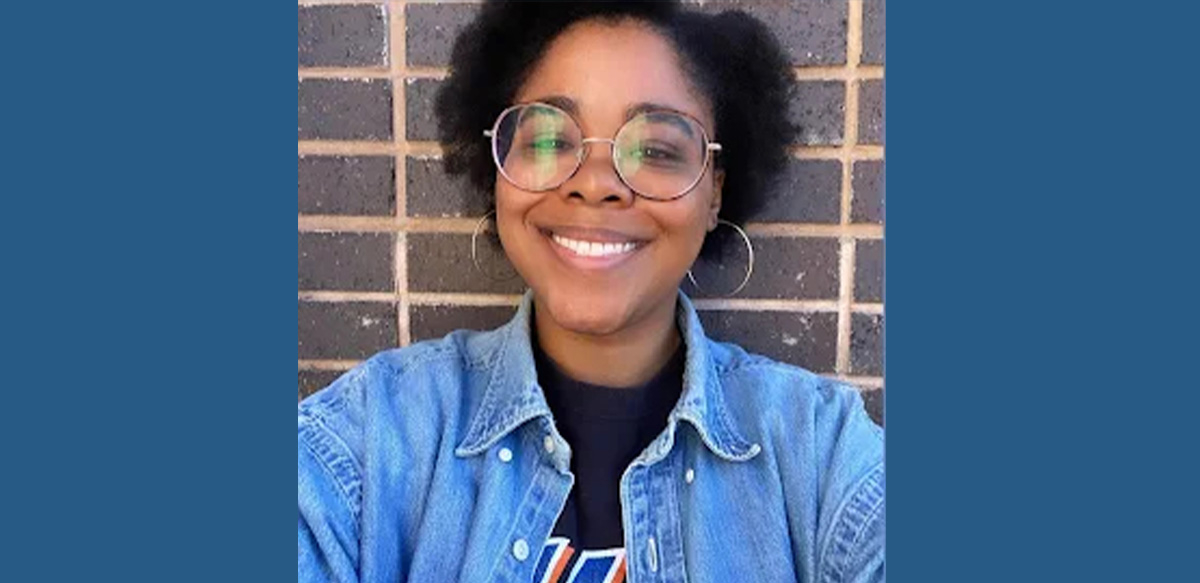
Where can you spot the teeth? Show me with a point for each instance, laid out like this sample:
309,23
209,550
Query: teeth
593,249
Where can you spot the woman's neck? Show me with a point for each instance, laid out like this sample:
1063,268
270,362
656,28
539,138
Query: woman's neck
627,358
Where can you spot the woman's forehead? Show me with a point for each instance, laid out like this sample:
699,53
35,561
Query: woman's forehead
612,70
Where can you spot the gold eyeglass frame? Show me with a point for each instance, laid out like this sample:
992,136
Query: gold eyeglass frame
584,148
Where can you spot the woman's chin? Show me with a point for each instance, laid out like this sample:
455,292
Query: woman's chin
592,314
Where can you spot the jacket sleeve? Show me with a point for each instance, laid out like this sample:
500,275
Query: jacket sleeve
853,551
329,492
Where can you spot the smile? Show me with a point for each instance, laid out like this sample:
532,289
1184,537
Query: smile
593,248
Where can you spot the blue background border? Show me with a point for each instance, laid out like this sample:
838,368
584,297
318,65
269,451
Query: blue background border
149,292
1039,406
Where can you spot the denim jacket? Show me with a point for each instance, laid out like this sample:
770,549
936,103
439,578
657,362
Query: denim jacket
441,462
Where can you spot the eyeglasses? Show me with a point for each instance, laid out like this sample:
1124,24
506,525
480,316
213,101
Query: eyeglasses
660,154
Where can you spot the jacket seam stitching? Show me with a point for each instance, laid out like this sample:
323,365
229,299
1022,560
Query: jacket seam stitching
475,431
774,367
410,362
863,492
345,491
872,517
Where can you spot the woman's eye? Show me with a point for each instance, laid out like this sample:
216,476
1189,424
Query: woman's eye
653,154
549,144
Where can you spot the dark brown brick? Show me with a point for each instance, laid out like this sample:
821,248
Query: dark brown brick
430,31
812,32
866,344
421,125
347,185
346,331
873,402
784,268
427,322
342,36
346,261
819,108
808,340
441,262
431,193
809,192
312,381
868,270
867,204
345,109
873,32
870,112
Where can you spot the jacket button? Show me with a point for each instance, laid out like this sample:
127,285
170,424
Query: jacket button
505,455
520,549
548,443
652,555
689,475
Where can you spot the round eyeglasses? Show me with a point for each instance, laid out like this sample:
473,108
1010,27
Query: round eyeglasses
658,154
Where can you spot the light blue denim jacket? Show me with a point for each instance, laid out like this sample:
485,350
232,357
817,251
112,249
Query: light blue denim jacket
441,462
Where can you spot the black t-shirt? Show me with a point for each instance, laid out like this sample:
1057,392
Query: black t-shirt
607,428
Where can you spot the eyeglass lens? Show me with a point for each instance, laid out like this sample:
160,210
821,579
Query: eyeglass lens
657,154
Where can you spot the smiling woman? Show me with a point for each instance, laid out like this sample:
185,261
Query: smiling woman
600,435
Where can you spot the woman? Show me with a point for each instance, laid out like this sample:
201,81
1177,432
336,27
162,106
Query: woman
600,435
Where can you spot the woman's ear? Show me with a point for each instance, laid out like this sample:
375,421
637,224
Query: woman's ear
714,208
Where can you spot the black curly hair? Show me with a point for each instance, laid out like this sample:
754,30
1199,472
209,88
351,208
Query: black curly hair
731,58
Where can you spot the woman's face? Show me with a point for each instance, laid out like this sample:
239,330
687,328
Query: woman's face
598,72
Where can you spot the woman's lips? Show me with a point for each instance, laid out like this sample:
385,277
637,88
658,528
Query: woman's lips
591,249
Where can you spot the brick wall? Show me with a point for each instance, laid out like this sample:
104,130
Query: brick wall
384,235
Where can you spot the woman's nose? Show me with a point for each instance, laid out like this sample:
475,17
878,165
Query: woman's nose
597,181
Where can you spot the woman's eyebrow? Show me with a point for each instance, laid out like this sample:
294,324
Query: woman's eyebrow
568,105
648,106
560,101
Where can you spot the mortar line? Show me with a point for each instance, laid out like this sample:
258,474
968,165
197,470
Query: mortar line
854,30
368,148
838,73
869,308
863,383
484,299
339,296
351,73
464,226
398,37
428,149
340,2
765,305
850,117
487,299
773,230
846,259
845,298
344,73
850,133
854,152
463,299
400,262
331,364
816,73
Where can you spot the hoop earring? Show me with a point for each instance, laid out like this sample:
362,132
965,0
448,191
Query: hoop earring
749,265
475,254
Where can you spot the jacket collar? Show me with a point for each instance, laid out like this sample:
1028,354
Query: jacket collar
512,395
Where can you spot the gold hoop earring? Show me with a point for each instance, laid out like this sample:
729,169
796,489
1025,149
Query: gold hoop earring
475,253
749,265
